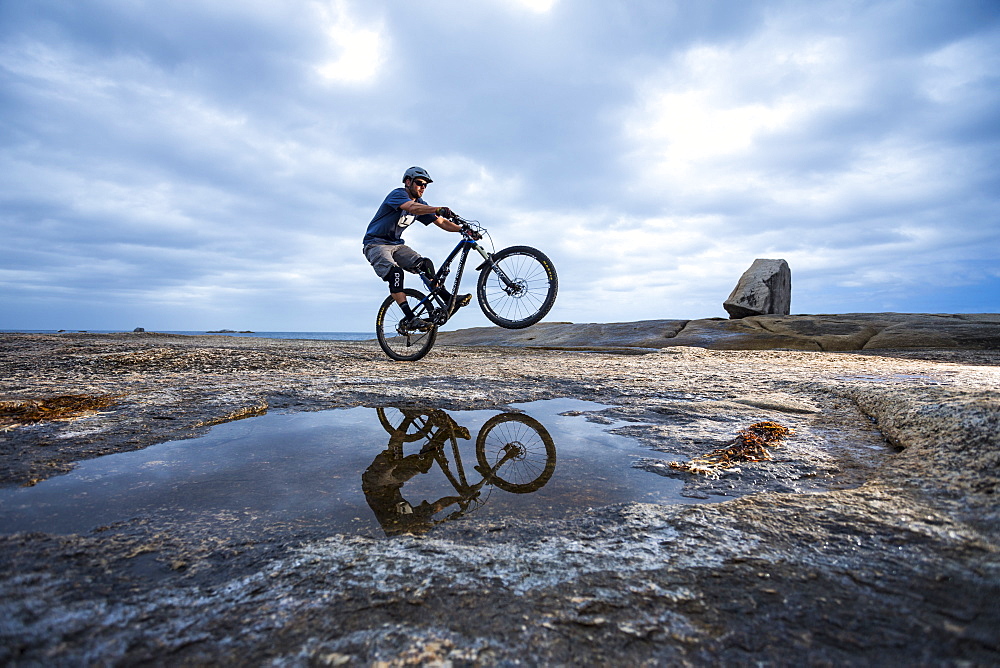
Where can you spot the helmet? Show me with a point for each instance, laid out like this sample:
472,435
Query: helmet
415,172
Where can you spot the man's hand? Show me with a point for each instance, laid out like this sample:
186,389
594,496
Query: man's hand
472,234
445,212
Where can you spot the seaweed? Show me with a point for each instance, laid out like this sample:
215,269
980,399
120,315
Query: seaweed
62,407
238,414
750,445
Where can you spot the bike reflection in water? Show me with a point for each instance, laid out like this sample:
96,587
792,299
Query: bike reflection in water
513,453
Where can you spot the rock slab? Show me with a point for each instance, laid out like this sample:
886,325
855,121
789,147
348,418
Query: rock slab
763,289
823,332
901,570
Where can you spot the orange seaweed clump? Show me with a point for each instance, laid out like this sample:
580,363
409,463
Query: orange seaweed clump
63,407
750,445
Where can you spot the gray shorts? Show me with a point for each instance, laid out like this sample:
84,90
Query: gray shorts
384,257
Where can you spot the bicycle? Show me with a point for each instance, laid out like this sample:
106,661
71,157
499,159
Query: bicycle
516,288
514,453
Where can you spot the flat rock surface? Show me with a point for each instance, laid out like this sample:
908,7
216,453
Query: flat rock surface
850,331
872,536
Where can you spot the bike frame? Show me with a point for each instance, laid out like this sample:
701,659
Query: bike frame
463,248
442,431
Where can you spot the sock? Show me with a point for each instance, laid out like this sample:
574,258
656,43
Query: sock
406,310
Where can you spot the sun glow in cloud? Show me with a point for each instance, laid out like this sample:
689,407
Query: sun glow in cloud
539,6
359,49
711,106
688,127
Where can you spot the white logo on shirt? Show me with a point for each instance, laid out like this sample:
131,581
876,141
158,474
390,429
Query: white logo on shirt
405,219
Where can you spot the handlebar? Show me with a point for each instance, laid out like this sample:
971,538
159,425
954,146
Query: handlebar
470,228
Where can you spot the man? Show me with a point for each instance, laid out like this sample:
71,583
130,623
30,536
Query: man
383,481
383,242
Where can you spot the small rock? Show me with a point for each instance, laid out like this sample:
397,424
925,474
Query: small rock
763,289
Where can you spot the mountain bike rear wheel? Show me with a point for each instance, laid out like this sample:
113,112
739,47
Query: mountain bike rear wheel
414,424
397,342
518,287
515,453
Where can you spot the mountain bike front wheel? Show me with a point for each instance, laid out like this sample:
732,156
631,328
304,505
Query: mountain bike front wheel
397,342
517,287
515,453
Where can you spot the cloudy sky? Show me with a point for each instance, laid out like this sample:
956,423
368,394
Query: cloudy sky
209,164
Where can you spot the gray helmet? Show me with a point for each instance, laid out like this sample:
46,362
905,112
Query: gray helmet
417,172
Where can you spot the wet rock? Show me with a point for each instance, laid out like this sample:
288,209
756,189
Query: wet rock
763,289
895,561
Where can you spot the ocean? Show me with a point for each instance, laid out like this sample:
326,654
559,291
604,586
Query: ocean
319,336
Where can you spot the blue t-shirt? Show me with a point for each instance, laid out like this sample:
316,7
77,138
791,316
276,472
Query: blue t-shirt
389,222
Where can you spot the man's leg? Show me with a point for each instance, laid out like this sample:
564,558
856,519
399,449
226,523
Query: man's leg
400,298
425,267
394,278
407,258
382,261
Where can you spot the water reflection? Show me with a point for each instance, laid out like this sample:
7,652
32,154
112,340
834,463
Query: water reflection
514,453
352,470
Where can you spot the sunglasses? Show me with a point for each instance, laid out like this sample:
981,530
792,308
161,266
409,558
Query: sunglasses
419,183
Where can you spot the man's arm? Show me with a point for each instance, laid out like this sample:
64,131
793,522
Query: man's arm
417,209
447,225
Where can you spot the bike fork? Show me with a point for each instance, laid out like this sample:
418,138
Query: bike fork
510,287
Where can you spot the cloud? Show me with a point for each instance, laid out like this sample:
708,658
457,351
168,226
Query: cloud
359,49
538,6
803,142
201,163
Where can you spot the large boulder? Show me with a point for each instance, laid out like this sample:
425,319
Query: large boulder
764,289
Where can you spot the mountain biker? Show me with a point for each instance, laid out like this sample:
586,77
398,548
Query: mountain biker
383,480
383,243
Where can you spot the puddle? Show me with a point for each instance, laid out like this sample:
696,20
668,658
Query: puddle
376,471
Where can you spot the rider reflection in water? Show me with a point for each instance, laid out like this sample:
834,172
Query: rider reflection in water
382,482
383,243
514,452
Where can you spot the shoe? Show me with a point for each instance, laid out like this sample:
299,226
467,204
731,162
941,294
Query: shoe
415,323
460,301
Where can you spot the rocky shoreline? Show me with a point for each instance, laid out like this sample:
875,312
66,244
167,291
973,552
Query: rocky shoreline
830,333
871,537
